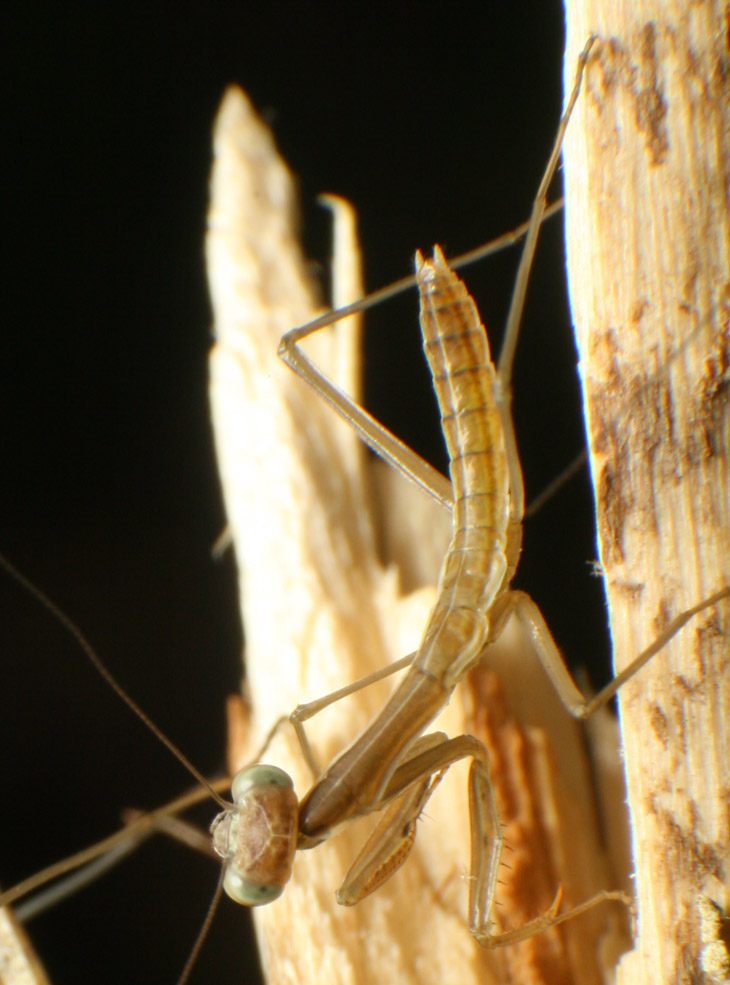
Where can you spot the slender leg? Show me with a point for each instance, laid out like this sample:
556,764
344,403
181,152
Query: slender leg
546,649
382,441
304,712
509,346
392,838
409,788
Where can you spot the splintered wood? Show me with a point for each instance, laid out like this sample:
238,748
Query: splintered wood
18,963
647,177
323,604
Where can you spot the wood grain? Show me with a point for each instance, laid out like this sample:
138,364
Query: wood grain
647,175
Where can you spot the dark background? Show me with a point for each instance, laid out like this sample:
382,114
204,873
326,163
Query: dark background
437,126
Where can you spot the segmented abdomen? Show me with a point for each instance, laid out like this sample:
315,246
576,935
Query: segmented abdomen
464,378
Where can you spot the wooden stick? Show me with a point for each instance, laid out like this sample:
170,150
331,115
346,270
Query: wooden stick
647,169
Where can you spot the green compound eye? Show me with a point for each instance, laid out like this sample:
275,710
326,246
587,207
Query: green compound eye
249,893
259,775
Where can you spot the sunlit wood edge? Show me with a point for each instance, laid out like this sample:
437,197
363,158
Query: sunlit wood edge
647,231
19,964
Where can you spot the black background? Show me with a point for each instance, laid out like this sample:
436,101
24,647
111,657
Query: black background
437,126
